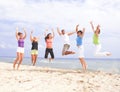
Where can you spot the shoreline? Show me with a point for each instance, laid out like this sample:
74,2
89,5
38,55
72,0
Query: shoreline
34,79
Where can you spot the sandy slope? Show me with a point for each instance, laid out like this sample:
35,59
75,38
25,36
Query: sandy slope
36,79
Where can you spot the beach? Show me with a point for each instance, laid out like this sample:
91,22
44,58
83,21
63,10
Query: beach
44,79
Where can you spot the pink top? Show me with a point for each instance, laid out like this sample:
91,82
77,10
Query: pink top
49,43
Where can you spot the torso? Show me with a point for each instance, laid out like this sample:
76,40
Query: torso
95,39
49,43
79,41
34,45
21,43
65,38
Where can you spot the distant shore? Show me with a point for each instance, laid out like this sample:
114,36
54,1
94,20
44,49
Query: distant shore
37,79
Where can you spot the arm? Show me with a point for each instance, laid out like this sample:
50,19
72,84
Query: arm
92,26
71,33
58,30
77,28
25,34
38,38
53,33
45,32
17,37
31,38
83,32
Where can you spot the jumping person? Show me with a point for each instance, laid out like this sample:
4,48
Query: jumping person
96,42
49,45
20,50
80,34
34,49
66,41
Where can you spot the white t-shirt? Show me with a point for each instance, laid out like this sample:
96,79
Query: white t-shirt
65,39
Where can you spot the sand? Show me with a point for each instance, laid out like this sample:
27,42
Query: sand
38,79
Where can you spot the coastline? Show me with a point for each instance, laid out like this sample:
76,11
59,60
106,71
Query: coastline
44,79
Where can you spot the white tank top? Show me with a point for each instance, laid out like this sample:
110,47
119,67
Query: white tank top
65,39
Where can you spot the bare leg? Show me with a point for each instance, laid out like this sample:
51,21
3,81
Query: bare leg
99,53
32,58
84,66
16,60
35,59
50,59
69,52
21,58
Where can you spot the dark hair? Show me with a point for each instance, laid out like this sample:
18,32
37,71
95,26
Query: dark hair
79,32
62,30
47,37
98,31
19,33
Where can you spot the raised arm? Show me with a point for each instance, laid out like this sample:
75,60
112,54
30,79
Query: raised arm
83,32
25,34
77,28
58,30
92,26
45,32
17,37
31,38
70,33
53,32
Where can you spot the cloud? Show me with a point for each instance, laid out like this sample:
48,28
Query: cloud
42,14
2,46
61,13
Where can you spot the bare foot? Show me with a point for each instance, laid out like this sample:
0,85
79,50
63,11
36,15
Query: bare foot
108,54
72,52
13,67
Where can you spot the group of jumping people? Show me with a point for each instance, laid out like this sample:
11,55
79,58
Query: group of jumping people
66,45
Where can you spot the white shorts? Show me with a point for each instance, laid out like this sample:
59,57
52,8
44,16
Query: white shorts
80,51
20,50
98,51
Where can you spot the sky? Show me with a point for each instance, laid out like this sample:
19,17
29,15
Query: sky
39,15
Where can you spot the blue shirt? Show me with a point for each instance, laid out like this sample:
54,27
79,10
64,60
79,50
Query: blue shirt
79,40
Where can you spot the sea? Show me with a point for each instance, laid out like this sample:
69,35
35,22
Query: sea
94,64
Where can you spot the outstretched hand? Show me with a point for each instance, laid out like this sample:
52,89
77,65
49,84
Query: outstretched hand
52,30
16,29
77,25
46,30
90,22
83,29
31,31
24,29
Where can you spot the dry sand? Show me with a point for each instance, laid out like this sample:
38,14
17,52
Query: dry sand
37,79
